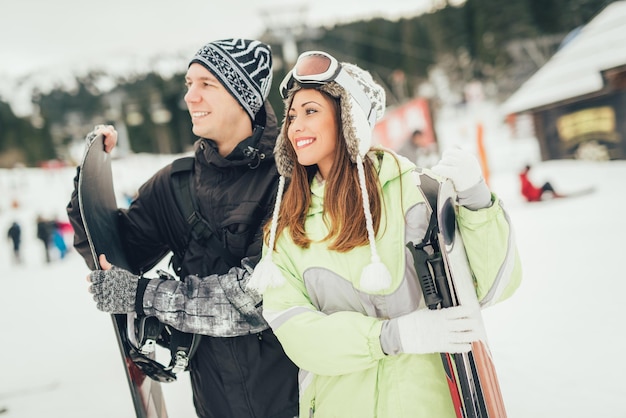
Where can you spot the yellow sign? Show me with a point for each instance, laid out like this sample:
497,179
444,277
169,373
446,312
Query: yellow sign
595,123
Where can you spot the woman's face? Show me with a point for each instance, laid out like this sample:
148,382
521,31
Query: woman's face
312,129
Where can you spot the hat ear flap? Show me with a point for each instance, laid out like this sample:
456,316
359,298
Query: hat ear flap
361,127
284,163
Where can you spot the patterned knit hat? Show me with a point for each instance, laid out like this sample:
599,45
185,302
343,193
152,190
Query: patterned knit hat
357,124
243,66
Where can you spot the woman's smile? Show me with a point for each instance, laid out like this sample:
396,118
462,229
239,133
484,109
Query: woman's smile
304,142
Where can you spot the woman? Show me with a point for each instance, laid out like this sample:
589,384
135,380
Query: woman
339,290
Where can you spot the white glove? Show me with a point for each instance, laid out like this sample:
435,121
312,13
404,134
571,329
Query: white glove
461,167
449,330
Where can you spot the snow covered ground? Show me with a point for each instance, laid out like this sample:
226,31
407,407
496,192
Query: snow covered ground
557,343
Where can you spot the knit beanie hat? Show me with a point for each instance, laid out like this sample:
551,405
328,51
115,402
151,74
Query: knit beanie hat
243,66
357,124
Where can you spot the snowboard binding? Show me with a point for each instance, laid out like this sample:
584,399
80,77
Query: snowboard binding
146,332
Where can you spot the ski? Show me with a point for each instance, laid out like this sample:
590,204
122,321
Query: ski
98,208
446,280
575,193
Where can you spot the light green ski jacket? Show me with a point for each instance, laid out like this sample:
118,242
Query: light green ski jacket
331,329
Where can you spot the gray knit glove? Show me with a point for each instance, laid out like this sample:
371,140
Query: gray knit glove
248,302
114,290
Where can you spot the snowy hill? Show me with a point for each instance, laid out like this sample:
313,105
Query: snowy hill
556,342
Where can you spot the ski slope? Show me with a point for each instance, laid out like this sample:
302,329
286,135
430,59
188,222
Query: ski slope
556,343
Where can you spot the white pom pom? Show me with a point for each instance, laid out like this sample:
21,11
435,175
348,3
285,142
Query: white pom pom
375,277
266,274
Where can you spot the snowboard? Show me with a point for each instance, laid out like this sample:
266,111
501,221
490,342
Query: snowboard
98,208
446,280
547,196
575,193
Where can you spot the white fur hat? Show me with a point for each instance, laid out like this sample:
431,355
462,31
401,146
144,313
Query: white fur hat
361,107
357,125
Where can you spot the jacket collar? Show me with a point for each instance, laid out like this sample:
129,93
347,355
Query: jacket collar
252,151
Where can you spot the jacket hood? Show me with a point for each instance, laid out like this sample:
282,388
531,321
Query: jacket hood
254,150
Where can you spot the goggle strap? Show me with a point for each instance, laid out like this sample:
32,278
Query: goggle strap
285,84
353,88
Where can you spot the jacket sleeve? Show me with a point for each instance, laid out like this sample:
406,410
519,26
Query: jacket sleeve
145,225
215,305
489,241
143,240
305,332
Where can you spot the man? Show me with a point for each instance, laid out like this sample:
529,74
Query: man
45,229
420,150
15,234
239,369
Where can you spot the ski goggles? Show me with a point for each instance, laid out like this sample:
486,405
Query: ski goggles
317,68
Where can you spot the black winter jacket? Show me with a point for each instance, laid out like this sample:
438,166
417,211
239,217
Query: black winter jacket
236,196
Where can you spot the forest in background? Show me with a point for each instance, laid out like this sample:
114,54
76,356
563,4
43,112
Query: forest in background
436,54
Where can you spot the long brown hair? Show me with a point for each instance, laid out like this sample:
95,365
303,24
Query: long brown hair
343,202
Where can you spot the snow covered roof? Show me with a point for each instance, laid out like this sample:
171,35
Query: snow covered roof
575,70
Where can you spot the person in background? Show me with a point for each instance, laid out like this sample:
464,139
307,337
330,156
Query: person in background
239,368
339,286
58,239
419,150
45,229
531,192
15,235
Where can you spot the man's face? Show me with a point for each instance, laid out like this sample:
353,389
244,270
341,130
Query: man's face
215,114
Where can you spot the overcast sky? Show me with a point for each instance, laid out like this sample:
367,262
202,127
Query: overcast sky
53,35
